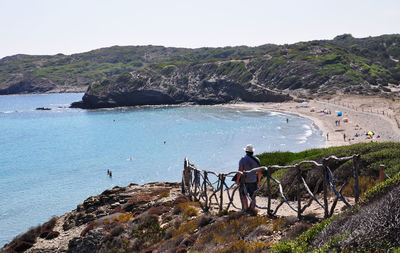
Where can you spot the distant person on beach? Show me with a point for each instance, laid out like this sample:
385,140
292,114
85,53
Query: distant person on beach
344,137
287,120
327,136
249,162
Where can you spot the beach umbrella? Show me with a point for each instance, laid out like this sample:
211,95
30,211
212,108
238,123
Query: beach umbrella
339,114
370,133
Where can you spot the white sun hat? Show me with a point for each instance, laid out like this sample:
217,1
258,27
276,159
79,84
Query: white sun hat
249,148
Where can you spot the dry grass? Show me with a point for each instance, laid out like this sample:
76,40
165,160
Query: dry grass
121,218
147,233
159,210
143,197
232,230
364,184
187,208
164,194
186,228
278,224
245,246
190,212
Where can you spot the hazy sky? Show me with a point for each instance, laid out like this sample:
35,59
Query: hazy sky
73,26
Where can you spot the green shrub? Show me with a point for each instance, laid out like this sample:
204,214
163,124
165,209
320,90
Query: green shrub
381,188
148,232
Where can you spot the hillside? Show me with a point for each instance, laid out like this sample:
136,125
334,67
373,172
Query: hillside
157,218
344,65
368,66
38,74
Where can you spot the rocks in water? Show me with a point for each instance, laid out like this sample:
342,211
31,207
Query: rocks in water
43,109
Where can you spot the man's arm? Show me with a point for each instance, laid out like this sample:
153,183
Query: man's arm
239,175
241,168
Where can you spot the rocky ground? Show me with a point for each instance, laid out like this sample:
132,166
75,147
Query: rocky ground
156,218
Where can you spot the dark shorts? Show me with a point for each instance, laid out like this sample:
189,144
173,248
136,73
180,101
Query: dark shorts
251,188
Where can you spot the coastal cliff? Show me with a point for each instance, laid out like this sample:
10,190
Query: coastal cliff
208,83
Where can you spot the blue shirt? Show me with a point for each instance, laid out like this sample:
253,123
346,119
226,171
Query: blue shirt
247,163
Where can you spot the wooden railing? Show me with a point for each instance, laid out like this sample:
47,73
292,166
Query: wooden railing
197,186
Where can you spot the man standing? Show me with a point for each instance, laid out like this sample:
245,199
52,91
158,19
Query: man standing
249,162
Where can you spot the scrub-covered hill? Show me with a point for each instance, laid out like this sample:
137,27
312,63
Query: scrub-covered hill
45,73
366,66
120,75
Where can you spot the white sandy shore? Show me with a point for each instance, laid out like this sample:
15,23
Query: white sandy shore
363,114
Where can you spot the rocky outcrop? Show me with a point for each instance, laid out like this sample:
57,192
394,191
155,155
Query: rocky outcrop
97,220
209,83
21,84
151,218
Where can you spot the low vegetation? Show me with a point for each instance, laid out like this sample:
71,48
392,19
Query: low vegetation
25,241
371,156
373,224
374,217
356,66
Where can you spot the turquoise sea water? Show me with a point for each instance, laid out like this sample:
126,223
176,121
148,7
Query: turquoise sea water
50,161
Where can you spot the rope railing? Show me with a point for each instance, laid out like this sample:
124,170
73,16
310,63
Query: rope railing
210,188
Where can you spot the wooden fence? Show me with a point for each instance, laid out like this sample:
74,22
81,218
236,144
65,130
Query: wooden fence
197,186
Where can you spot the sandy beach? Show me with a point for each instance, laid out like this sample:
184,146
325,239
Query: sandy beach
359,115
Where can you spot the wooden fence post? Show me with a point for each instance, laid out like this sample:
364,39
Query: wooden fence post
184,177
325,189
205,192
197,186
381,173
269,211
221,193
298,193
355,175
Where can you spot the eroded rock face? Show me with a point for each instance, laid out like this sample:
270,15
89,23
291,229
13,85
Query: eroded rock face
194,85
23,85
